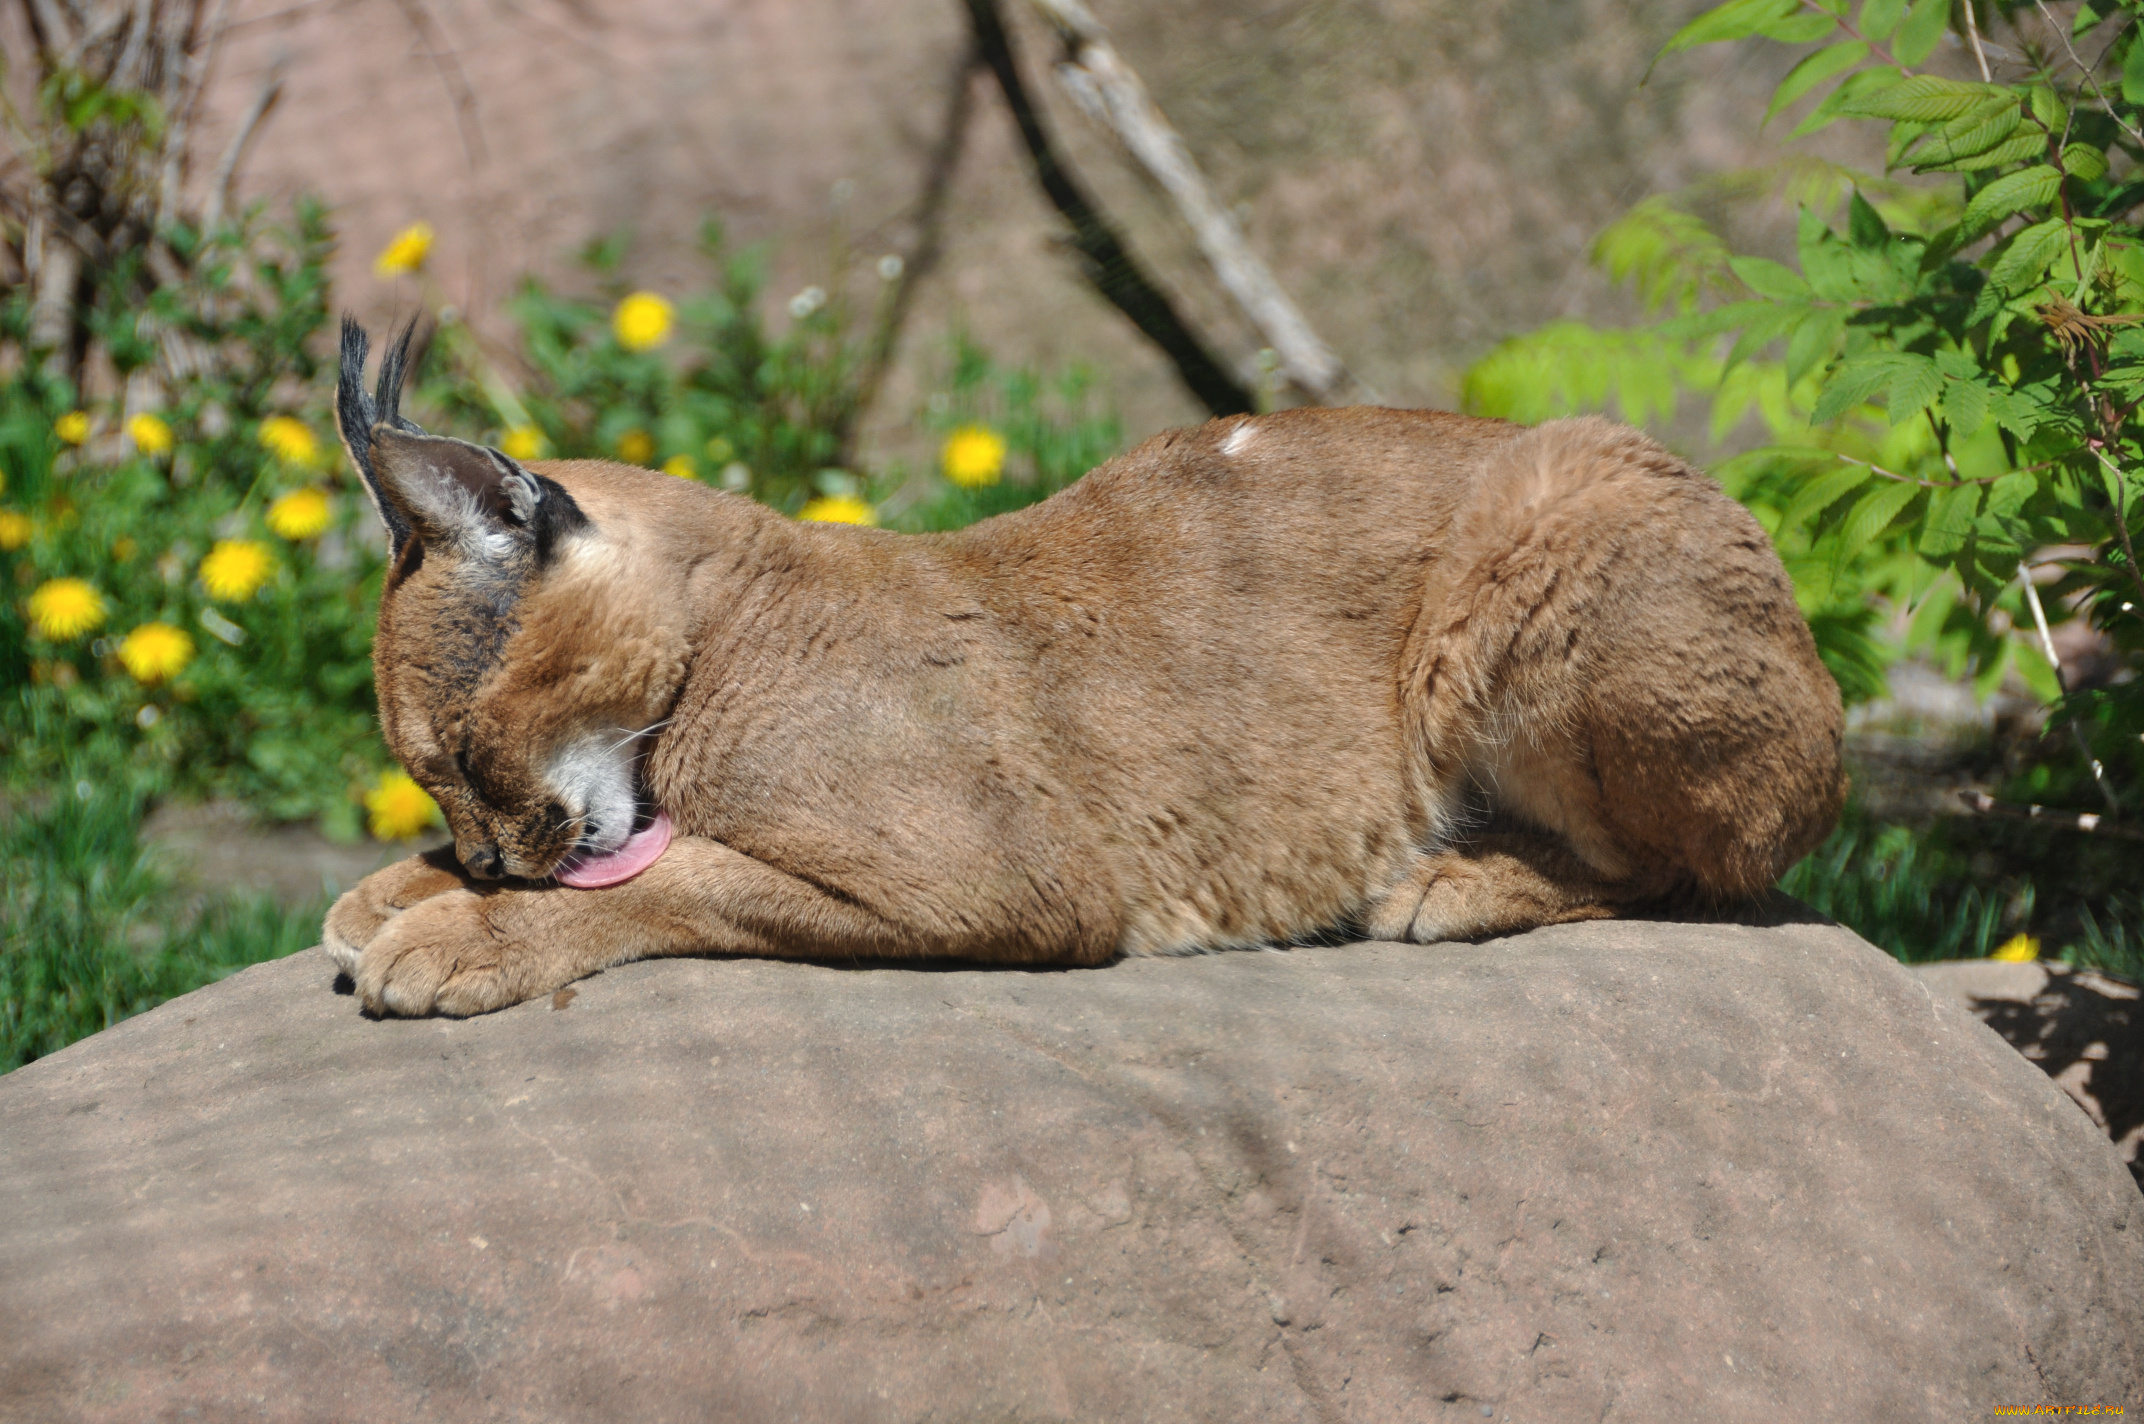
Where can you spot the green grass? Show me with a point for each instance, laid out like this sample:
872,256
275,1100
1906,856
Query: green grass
1904,891
92,932
1959,889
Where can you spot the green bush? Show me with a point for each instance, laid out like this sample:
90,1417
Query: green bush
1942,387
160,637
1948,376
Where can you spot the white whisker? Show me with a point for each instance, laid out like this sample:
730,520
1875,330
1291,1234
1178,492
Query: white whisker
629,736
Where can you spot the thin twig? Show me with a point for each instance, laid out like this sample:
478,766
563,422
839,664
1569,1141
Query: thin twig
923,256
2082,68
2121,515
1108,87
1847,25
1960,482
221,191
2062,684
1987,805
450,74
189,66
1972,35
1110,265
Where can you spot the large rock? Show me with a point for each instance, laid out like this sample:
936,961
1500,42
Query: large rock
1629,1170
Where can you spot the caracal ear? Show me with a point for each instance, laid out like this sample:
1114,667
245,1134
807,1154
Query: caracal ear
447,494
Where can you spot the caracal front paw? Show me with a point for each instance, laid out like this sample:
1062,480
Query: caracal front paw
361,912
452,954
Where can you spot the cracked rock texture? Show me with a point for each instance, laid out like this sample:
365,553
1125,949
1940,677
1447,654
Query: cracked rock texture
1630,1170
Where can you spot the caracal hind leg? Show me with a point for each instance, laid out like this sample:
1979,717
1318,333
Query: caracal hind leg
1494,884
364,909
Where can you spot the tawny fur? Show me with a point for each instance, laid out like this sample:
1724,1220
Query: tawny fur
1402,673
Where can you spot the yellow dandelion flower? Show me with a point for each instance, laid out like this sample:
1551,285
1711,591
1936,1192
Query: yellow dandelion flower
2018,949
65,608
839,509
149,433
522,442
643,321
289,439
155,651
973,457
14,529
73,427
236,568
399,807
636,447
300,514
407,252
682,466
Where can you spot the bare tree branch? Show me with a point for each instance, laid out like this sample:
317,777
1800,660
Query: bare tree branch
1110,266
1987,805
221,191
924,252
1109,89
450,74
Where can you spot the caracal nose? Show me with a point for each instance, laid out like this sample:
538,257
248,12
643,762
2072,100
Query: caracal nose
480,859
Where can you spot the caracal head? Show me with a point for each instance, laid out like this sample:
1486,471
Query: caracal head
515,684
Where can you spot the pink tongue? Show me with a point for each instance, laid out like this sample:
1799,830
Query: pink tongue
641,850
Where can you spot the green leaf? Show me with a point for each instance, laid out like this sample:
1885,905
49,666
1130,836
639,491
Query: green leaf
1814,70
1812,342
1798,29
2133,69
2048,109
1855,88
1860,378
1823,492
1925,98
1873,513
1973,132
1965,407
1736,20
2015,149
1924,26
2086,17
1770,279
1949,521
2027,256
1775,320
1826,261
1913,389
2021,411
2008,494
1865,227
2084,161
2027,188
1880,17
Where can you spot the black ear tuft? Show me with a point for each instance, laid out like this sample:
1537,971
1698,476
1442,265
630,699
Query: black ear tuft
394,366
443,492
355,414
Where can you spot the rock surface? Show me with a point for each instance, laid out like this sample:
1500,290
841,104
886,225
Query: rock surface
2082,1028
1628,1171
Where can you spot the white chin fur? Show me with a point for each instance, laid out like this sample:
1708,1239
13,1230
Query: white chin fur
592,777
